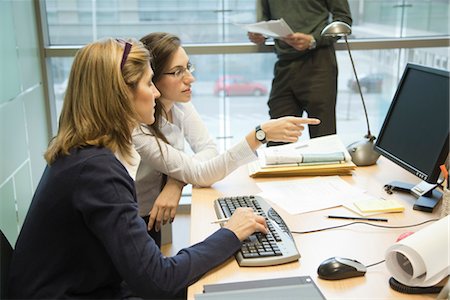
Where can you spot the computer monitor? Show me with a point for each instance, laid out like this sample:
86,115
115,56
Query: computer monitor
415,132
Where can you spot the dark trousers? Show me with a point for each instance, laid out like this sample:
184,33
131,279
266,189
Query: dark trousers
309,84
156,235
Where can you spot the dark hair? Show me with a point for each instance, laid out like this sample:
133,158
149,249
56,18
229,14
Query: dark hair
162,46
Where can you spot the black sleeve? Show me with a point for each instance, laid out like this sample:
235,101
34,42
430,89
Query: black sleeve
340,11
106,200
263,10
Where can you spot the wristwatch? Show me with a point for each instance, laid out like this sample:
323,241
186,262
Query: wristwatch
312,43
260,134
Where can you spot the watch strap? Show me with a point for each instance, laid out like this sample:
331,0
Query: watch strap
257,130
312,43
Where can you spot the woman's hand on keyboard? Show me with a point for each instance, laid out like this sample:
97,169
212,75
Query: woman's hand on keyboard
244,222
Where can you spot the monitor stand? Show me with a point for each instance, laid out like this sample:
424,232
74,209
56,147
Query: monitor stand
427,196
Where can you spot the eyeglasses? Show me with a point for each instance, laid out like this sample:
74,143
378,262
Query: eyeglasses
126,51
180,72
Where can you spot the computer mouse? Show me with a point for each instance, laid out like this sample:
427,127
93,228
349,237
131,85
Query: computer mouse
340,268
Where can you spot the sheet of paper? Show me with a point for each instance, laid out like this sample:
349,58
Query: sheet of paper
311,194
424,255
273,28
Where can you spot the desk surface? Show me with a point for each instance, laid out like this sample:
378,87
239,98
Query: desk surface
363,243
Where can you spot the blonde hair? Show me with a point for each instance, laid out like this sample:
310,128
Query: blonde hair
98,107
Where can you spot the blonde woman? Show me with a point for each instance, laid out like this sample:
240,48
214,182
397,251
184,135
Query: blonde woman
82,237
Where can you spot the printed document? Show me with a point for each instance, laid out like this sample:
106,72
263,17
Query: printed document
305,195
273,28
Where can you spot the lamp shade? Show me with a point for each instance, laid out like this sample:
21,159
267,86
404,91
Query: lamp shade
336,28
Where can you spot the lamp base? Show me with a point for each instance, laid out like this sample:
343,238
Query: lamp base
362,152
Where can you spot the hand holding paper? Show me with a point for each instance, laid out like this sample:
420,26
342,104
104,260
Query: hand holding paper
273,28
300,41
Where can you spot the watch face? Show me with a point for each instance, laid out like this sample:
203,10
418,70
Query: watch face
260,135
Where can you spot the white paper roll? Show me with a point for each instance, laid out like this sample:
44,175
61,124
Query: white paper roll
423,258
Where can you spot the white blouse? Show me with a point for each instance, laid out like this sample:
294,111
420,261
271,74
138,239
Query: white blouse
131,164
203,168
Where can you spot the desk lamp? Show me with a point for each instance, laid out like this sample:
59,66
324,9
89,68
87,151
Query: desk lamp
362,152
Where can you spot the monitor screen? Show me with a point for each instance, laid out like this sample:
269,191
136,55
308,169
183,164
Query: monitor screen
415,132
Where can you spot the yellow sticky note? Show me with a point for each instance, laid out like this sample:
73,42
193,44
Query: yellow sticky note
379,205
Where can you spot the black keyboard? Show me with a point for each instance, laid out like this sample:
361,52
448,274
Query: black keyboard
276,247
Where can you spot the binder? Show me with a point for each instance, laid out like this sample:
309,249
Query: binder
324,155
256,171
300,287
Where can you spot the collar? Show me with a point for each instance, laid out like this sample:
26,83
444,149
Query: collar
131,166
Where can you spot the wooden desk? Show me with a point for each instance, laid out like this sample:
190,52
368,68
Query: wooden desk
363,243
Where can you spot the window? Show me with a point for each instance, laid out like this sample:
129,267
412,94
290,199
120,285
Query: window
232,109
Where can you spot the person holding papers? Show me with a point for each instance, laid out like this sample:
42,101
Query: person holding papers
161,145
305,75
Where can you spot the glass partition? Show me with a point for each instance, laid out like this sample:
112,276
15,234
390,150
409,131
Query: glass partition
75,22
231,90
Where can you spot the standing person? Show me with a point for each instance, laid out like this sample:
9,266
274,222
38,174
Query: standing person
82,236
161,145
305,75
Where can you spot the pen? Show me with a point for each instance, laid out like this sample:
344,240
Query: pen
218,221
301,146
223,220
358,218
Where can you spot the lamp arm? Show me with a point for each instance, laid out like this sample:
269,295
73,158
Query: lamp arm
369,135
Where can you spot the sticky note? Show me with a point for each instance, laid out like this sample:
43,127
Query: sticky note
379,205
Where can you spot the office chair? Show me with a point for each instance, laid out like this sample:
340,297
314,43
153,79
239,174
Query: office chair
6,252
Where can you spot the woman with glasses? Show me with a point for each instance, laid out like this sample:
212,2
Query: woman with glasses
161,145
82,236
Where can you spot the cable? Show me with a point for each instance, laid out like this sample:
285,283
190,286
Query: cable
406,289
365,223
377,263
392,281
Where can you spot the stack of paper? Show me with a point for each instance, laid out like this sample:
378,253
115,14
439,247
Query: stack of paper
310,194
273,28
318,156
